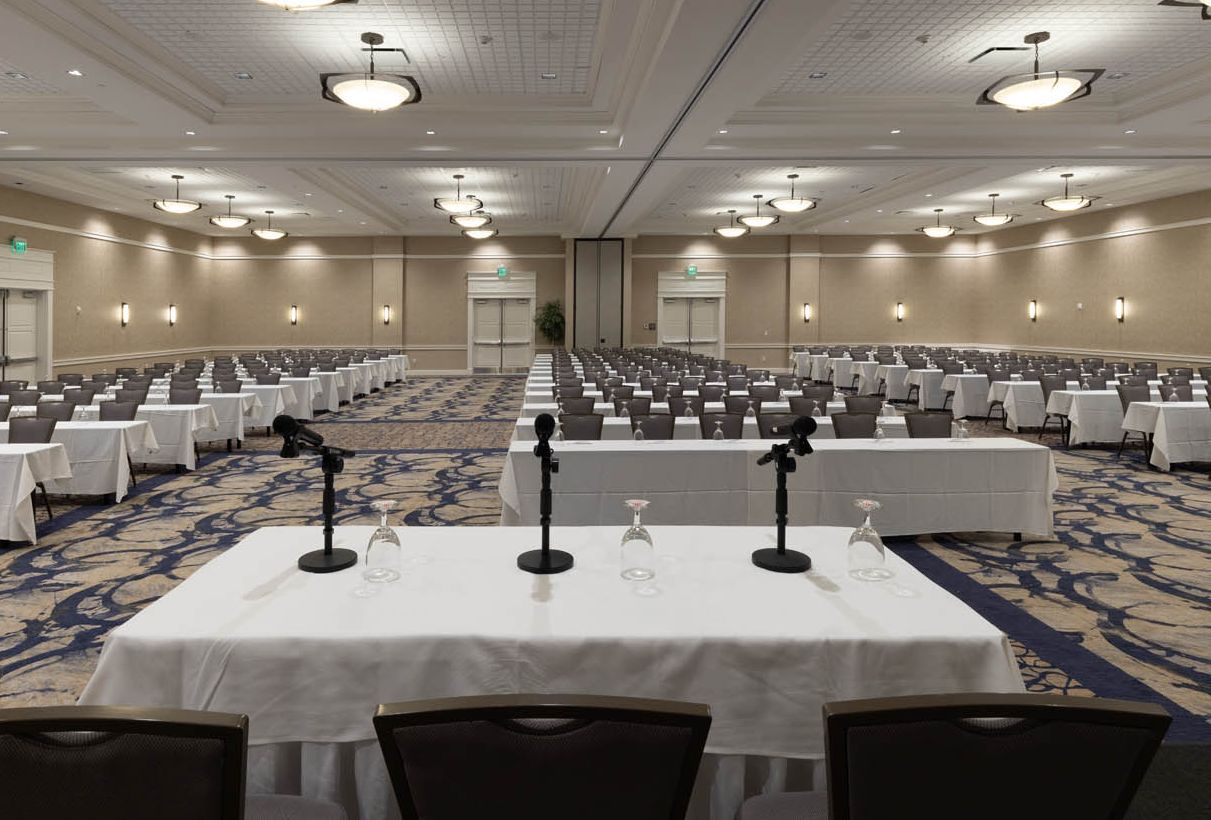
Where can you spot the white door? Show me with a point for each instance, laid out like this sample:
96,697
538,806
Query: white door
517,334
704,327
485,343
21,335
675,323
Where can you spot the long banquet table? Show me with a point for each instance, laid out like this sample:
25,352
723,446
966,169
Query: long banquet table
22,466
308,657
97,452
619,429
1180,431
924,485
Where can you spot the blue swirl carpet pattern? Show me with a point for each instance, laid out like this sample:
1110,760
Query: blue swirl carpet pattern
1119,605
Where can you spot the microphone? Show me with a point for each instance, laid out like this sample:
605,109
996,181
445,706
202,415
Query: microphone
544,426
293,433
803,427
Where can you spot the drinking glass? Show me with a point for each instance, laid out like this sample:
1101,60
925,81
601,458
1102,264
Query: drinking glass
383,552
750,412
1173,396
718,434
866,554
887,409
689,412
625,411
638,434
638,556
880,433
816,411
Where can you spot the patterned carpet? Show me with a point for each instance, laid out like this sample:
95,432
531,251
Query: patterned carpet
1119,605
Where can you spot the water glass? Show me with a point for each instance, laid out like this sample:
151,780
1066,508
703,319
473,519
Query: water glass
867,557
638,434
383,553
638,555
718,434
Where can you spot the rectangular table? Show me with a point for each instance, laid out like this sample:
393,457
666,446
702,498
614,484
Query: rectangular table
531,409
331,384
868,383
896,376
1023,402
1180,430
1093,415
307,393
97,452
929,387
925,485
176,428
970,394
308,657
619,429
22,466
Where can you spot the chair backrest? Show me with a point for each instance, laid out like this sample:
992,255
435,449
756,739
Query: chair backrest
638,406
581,426
853,425
576,405
63,762
1094,382
928,425
1204,373
177,384
1188,372
184,395
690,382
737,383
24,397
621,391
951,367
126,372
228,386
741,404
30,430
1184,392
1128,393
1167,379
73,379
57,410
1133,380
1031,375
269,378
300,372
543,757
5,409
118,410
863,404
678,405
51,387
9,385
1084,756
327,367
784,381
1052,383
775,425
803,406
710,392
822,392
567,391
732,425
764,392
79,395
137,396
656,426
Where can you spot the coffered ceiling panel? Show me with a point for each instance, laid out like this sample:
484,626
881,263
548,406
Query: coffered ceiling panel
895,47
455,47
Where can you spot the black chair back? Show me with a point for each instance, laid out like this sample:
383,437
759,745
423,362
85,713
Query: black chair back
928,425
57,410
863,404
854,425
656,426
118,410
775,425
24,398
581,427
184,395
269,378
30,430
732,425
639,406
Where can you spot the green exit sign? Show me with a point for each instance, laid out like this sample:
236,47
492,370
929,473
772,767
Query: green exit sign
692,270
18,245
502,272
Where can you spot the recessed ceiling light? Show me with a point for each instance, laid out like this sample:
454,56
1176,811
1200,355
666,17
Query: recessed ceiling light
340,210
817,75
602,131
895,130
879,211
3,133
191,133
1129,131
306,194
927,196
242,75
722,130
549,75
1118,75
75,72
431,133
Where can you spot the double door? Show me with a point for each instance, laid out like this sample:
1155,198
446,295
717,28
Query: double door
503,334
691,323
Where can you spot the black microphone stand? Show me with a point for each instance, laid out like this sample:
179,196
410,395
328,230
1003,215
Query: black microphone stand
332,462
545,561
780,559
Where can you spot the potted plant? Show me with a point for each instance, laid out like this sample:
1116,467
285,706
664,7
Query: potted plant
550,323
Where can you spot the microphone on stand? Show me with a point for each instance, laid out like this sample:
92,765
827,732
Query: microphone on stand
545,561
780,559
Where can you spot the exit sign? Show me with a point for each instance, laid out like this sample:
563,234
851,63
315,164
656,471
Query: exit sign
18,245
502,272
691,271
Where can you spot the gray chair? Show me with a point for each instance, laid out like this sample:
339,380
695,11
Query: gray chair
137,396
542,757
581,426
79,395
5,409
32,430
57,410
679,404
656,427
122,763
327,367
942,756
741,404
785,382
53,388
732,425
691,382
1050,384
803,406
118,410
737,383
184,395
711,392
269,378
928,425
620,391
1093,383
24,398
301,372
863,404
576,405
1128,393
775,425
72,379
822,392
641,406
764,392
1184,392
228,386
567,391
854,425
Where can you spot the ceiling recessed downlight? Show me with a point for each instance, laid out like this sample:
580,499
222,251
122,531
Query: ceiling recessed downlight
1039,89
177,205
371,91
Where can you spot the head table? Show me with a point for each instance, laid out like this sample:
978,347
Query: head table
309,657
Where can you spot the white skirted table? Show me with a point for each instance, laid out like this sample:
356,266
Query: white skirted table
1023,402
97,452
619,429
896,376
175,428
307,391
970,394
531,409
1094,416
331,383
1180,430
308,657
924,485
22,466
868,383
929,387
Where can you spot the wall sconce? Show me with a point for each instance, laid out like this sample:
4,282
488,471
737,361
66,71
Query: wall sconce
386,314
124,314
294,314
807,311
172,315
1032,310
1120,308
899,311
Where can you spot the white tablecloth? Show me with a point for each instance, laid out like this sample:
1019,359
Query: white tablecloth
308,393
352,383
258,405
96,451
531,409
818,363
802,364
330,390
174,428
841,371
970,394
925,485
22,466
929,384
1180,430
868,382
308,660
896,376
619,429
398,364
1023,402
1093,415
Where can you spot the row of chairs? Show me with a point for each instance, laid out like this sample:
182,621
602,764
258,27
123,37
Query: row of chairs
815,404
660,426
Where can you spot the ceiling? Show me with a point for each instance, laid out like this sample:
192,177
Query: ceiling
599,117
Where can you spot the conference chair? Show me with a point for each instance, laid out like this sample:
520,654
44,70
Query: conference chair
9,385
542,757
118,410
1093,383
1128,393
73,379
327,367
741,404
300,372
785,382
1136,381
863,404
576,405
1187,372
820,392
1204,373
183,395
5,409
57,410
52,388
854,425
108,378
764,392
137,396
803,406
679,404
176,384
641,406
711,392
1050,384
567,391
656,426
30,430
79,395
732,425
124,763
775,425
1184,392
735,383
269,378
948,756
757,375
24,398
125,372
228,386
690,382
928,424
621,391
581,427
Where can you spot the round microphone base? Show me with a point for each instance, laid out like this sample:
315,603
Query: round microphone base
548,563
787,561
320,561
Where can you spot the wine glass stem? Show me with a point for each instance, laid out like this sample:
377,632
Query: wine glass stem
866,523
636,523
383,521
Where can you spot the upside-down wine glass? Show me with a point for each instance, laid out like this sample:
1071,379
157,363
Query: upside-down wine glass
718,434
638,434
867,557
384,551
638,556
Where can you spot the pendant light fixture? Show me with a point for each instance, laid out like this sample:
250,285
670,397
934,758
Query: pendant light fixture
371,91
480,233
993,219
229,220
475,219
1040,89
1204,4
733,230
792,204
303,5
269,232
757,220
458,204
1067,202
938,231
176,206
